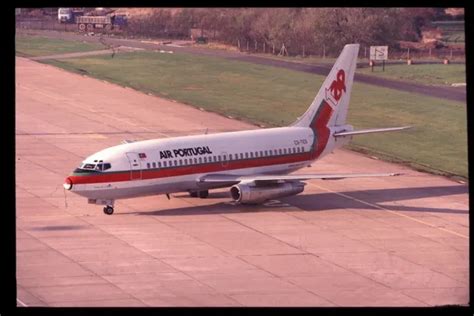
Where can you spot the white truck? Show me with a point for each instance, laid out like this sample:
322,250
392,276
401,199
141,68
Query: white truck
69,15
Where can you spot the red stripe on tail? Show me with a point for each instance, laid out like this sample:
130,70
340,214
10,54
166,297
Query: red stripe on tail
321,129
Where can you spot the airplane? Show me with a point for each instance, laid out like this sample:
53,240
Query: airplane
255,164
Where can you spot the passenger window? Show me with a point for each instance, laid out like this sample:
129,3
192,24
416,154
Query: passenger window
215,158
148,165
180,162
279,151
205,159
261,153
106,166
154,165
266,153
176,162
241,156
200,160
251,154
159,164
164,163
225,157
195,161
302,149
246,155
219,158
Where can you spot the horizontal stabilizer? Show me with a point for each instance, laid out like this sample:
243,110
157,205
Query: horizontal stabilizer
371,130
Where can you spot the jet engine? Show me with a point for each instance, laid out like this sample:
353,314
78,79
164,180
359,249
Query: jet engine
247,194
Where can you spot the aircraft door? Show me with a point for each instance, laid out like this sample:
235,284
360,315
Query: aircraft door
135,166
224,159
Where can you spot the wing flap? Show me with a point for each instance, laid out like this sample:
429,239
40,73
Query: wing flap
223,178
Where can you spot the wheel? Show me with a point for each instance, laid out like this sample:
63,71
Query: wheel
109,210
108,27
203,194
90,27
82,27
193,194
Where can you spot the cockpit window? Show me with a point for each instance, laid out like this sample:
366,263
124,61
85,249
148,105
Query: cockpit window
88,166
103,166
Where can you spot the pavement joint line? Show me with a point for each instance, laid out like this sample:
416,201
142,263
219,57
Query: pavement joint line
330,262
390,211
238,256
84,267
289,281
165,263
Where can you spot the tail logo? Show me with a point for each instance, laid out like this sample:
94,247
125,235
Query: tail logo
337,88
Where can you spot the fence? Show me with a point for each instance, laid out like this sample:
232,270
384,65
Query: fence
45,25
451,53
284,49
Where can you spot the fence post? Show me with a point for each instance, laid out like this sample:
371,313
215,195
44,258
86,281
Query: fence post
324,51
430,52
365,52
247,45
451,54
264,47
408,53
273,48
238,44
255,45
303,51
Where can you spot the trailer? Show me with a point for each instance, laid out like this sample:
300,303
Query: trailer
106,22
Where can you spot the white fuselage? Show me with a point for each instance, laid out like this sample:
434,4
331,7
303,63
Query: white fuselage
175,164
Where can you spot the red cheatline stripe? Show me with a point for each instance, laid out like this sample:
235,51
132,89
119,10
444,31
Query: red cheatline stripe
188,170
321,130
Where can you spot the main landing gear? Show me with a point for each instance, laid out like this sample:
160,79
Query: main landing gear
109,210
201,194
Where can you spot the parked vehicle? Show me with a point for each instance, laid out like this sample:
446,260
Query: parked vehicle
107,22
69,15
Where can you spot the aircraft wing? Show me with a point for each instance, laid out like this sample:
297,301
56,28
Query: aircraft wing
223,178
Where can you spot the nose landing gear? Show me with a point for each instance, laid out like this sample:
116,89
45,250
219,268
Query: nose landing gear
109,210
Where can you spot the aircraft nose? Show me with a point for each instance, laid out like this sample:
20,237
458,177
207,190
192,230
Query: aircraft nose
68,183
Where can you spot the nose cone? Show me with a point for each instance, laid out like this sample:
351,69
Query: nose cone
67,183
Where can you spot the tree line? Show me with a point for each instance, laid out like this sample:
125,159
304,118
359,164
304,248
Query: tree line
300,29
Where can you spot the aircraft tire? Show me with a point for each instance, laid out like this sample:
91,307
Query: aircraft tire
193,194
109,210
203,194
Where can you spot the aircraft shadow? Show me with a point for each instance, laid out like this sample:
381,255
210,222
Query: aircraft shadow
327,201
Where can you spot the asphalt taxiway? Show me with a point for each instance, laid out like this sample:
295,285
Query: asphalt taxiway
398,241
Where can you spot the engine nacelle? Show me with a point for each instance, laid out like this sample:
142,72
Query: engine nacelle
246,194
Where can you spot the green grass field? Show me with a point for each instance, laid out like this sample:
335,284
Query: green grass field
28,46
430,74
275,97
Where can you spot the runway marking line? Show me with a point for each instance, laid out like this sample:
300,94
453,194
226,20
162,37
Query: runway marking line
21,303
390,211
